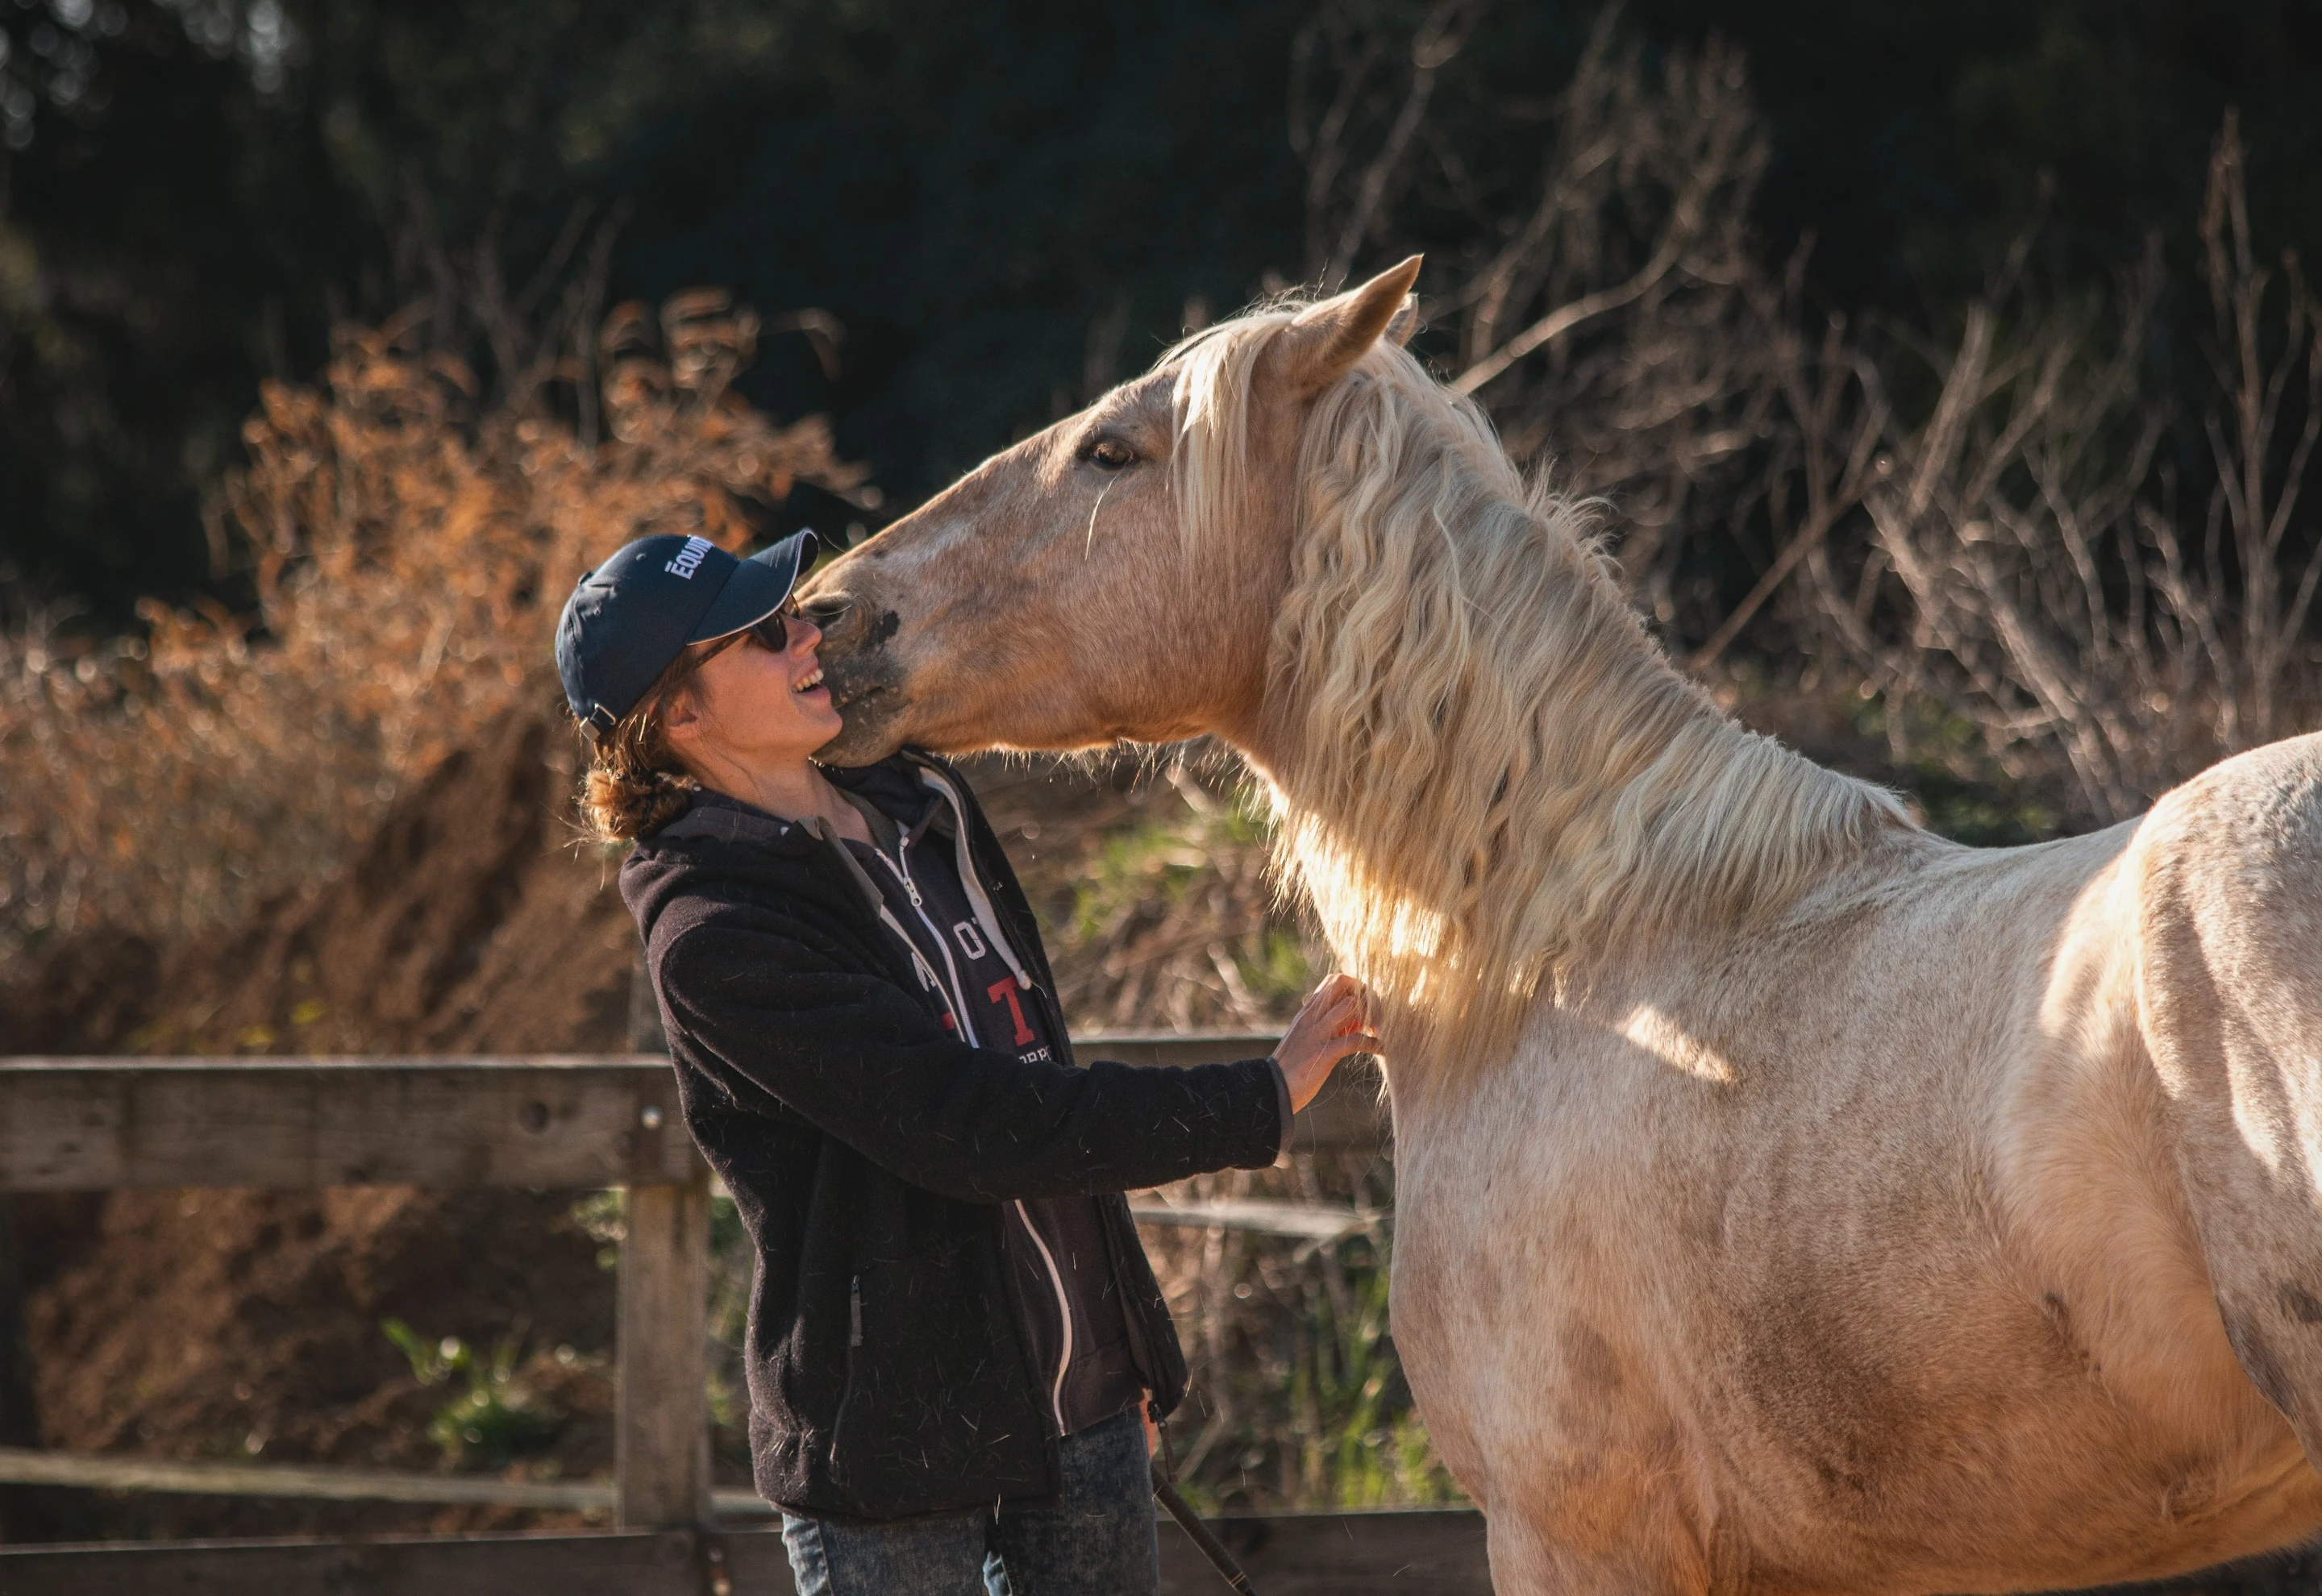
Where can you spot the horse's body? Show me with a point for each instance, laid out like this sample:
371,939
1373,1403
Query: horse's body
1786,1197
1887,1279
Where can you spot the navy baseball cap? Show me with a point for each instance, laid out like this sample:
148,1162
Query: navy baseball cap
629,617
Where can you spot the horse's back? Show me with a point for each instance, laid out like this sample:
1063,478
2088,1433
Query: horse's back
2226,873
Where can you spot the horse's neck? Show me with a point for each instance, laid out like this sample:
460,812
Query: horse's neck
1467,877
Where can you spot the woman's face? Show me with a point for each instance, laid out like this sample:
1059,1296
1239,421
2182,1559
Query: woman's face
752,706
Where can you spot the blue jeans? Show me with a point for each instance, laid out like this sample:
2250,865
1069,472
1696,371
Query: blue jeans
1099,1540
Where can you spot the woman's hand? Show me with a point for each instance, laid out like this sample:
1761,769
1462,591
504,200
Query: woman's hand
1333,1023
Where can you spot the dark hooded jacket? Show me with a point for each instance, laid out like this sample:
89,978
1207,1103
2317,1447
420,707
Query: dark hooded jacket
869,1151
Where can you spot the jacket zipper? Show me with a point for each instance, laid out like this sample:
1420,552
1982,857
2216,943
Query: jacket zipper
954,997
1063,1314
971,881
854,1311
901,867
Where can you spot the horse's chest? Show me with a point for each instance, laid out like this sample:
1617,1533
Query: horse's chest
1492,1239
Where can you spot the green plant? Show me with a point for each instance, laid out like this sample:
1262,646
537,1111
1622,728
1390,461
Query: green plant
1965,792
491,1418
733,1265
1360,1444
1175,921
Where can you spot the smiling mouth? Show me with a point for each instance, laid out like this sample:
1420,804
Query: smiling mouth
809,682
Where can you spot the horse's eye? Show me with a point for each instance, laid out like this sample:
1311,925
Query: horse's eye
1109,454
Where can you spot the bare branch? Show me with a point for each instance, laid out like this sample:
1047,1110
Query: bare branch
1439,40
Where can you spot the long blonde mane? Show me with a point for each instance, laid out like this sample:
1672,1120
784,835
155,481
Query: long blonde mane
1485,769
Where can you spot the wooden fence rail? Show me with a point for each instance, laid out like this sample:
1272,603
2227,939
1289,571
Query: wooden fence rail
96,1123
99,1123
1439,1553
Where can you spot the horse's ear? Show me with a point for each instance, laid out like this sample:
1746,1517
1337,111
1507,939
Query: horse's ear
1325,341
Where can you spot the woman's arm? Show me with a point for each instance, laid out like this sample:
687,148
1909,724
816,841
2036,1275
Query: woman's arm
855,1056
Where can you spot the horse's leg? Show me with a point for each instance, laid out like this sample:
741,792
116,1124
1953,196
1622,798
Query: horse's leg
2229,876
1567,1510
1513,1357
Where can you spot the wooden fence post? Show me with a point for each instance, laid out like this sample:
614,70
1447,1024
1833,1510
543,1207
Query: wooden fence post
19,1426
662,1449
661,1423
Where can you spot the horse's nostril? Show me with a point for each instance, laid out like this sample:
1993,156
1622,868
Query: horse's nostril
826,612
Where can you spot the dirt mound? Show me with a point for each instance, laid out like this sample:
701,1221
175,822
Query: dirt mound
246,1324
474,921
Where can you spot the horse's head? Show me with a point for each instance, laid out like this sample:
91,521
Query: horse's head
1056,597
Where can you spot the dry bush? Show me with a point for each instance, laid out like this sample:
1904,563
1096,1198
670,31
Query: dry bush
413,543
2031,566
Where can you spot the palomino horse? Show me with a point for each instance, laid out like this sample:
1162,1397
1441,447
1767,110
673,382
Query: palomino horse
1788,1199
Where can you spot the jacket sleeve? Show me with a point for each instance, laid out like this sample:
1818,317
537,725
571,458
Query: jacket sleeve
856,1057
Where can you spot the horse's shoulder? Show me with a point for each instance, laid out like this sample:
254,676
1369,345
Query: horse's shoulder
2248,819
2225,875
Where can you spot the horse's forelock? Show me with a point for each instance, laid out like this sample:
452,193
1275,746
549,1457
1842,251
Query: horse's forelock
1216,368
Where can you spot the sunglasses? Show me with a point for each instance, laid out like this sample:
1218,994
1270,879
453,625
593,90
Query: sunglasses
772,633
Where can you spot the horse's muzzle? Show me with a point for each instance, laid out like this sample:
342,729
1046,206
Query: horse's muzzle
865,677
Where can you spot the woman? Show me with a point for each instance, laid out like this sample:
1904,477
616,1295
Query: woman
954,1332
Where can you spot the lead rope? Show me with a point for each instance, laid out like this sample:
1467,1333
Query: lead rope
1164,1491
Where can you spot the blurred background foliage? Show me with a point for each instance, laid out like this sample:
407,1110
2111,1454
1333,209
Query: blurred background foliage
1000,208
1953,376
